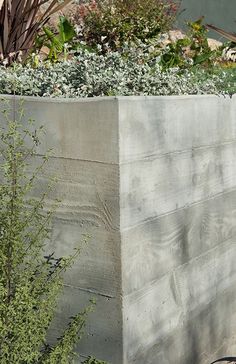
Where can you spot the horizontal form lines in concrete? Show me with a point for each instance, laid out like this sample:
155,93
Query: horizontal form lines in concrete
152,180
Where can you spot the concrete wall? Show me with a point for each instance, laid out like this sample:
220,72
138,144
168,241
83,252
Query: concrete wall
218,12
153,181
178,228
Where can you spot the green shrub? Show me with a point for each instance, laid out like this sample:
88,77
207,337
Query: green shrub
111,23
191,51
30,279
58,44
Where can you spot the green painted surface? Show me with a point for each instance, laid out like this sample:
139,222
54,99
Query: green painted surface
221,13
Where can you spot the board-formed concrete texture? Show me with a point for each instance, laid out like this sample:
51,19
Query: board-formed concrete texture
152,180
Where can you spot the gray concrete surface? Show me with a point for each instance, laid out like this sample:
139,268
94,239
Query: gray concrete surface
153,181
221,13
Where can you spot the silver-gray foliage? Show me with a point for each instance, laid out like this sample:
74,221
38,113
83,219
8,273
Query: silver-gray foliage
89,74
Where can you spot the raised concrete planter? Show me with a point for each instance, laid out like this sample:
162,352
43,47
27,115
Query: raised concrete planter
153,181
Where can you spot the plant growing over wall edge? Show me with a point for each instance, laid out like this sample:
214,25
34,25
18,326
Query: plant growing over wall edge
30,279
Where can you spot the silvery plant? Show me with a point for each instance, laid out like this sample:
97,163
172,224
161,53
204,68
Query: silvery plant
91,74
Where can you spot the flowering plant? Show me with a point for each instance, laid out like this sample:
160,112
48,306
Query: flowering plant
111,23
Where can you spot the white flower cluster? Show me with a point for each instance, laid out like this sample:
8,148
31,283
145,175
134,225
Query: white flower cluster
90,74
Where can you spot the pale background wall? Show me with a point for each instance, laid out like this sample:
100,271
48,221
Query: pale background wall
221,13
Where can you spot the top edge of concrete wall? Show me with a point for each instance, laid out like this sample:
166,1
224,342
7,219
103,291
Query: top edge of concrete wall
110,98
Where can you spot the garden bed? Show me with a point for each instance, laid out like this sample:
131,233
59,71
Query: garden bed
90,75
141,120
